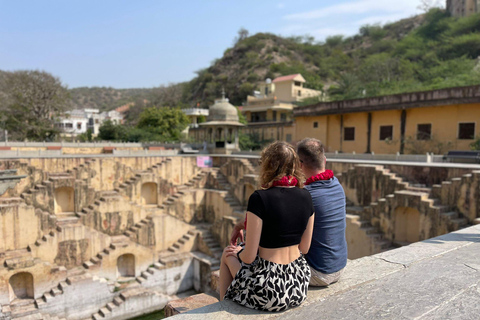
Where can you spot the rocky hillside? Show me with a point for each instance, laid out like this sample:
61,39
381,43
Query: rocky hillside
105,98
424,52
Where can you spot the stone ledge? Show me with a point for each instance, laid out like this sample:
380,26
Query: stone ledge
426,280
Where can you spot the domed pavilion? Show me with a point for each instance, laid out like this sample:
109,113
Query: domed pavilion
221,127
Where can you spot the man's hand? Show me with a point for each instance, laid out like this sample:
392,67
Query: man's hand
237,233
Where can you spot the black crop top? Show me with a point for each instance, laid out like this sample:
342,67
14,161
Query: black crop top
284,213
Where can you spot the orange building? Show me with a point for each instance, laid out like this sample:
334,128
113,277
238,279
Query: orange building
431,121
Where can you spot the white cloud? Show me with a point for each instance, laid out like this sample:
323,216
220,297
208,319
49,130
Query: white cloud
281,5
347,17
356,7
382,19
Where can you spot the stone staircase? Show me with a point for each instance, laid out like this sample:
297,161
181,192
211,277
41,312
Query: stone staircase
211,246
238,209
117,242
135,230
108,311
15,259
121,189
179,245
249,165
75,171
55,291
23,309
103,197
149,272
377,236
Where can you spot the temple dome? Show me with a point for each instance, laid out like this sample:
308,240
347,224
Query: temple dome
222,110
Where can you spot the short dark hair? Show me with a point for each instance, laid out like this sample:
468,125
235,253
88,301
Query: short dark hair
311,153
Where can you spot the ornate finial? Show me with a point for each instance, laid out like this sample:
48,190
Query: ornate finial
223,93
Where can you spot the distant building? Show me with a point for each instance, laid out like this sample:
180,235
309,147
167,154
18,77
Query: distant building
78,121
463,8
220,132
269,110
429,121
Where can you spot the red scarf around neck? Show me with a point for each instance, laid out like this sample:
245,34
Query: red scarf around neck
286,181
326,175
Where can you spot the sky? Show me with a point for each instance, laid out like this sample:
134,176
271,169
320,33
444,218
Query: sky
148,43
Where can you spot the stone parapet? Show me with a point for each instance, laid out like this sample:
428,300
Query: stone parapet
432,279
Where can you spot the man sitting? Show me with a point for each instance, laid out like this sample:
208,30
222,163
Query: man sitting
328,252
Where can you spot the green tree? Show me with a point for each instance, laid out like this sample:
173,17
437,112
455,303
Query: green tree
109,131
241,117
164,123
32,100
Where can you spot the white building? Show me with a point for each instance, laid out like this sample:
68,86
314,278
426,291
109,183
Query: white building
78,121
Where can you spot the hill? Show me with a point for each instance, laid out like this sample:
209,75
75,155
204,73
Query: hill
104,98
421,53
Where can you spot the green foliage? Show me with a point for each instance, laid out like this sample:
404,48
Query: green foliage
476,144
376,32
334,41
109,131
85,137
30,101
241,117
164,124
251,141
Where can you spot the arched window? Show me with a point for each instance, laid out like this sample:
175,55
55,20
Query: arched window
126,265
20,286
64,200
149,193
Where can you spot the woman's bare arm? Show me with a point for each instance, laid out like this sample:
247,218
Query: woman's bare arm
304,245
254,227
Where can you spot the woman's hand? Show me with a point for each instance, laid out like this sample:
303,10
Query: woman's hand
231,251
237,233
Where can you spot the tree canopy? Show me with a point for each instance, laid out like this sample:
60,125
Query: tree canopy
30,102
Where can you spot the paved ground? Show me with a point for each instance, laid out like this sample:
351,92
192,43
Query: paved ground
434,279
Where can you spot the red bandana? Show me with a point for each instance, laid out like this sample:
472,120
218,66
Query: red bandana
326,175
287,181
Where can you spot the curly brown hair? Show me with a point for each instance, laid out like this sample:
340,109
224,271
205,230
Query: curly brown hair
279,159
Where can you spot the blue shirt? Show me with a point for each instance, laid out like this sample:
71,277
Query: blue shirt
328,251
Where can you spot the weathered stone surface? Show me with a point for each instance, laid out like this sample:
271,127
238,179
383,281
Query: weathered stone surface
429,280
193,302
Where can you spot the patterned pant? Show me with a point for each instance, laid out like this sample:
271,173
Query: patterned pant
269,286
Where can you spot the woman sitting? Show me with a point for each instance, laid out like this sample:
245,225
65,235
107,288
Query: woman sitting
270,272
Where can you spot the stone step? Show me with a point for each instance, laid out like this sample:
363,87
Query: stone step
117,301
450,215
140,280
47,296
110,306
97,316
24,311
104,311
151,270
62,285
460,222
56,292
